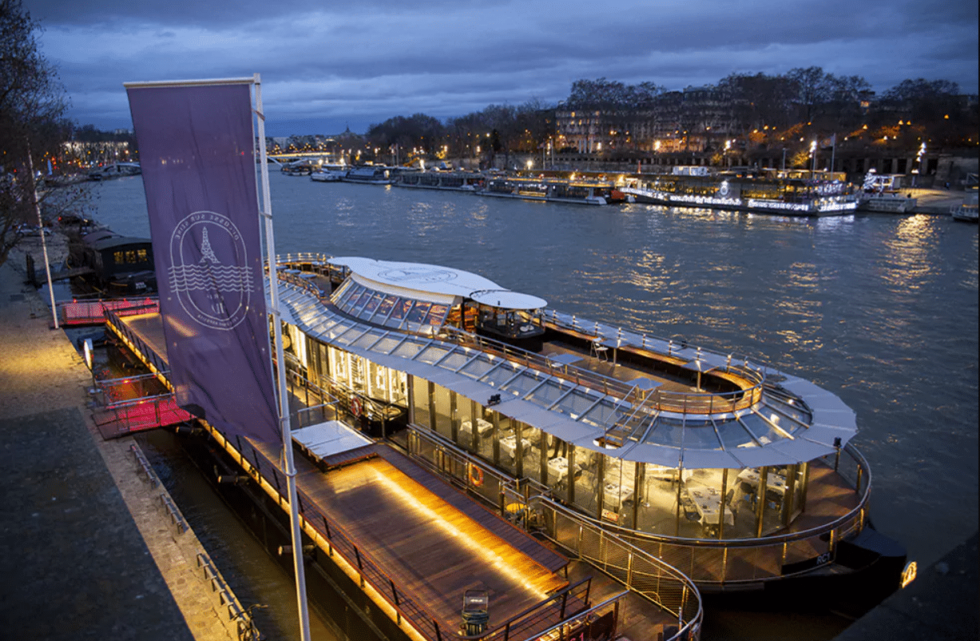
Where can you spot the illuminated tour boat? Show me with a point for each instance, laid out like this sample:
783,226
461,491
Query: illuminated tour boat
553,190
790,193
443,180
739,475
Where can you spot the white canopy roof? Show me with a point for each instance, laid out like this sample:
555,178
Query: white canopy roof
434,283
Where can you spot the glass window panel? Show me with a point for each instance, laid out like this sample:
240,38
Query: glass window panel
385,308
666,432
701,435
351,297
418,312
602,415
408,349
341,291
398,314
479,367
577,402
762,430
437,315
733,434
420,401
350,333
361,301
527,381
371,305
432,354
790,411
456,360
443,411
368,339
547,394
532,453
386,344
336,330
498,376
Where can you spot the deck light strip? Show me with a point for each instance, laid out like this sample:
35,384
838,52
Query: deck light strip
409,499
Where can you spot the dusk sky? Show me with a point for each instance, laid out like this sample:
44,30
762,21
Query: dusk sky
360,62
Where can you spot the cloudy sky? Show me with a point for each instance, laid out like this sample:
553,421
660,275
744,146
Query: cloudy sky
327,65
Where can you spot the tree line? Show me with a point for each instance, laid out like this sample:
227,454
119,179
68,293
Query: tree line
802,100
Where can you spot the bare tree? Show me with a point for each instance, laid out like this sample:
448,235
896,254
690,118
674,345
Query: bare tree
32,108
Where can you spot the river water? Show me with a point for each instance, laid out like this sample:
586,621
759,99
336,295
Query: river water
879,309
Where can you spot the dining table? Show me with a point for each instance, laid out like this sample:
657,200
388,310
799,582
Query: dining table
708,502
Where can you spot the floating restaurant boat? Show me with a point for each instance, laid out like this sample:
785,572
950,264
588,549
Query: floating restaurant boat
329,173
301,167
118,263
369,175
553,190
740,475
966,212
115,170
777,192
446,181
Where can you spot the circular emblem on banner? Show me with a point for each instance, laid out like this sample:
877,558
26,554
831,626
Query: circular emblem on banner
209,271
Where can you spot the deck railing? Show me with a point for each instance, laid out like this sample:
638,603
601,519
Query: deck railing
93,311
707,562
155,361
523,501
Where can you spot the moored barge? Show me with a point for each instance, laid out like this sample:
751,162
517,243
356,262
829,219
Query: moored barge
740,475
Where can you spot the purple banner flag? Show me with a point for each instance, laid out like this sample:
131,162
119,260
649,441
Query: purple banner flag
196,150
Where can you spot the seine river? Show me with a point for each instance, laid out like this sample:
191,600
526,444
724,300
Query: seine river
878,309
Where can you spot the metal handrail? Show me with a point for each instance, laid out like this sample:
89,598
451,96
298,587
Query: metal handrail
641,539
768,540
691,591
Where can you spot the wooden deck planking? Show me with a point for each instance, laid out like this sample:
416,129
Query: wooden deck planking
414,546
435,551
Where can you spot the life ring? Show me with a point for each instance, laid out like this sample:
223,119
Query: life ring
476,476
356,407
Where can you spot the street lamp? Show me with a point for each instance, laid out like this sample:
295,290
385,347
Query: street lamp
813,156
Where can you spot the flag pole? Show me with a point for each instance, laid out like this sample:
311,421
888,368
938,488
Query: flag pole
287,439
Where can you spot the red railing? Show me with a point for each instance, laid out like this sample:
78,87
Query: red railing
93,312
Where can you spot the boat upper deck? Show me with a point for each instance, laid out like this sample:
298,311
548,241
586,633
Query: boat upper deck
628,395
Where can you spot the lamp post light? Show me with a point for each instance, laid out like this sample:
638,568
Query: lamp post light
813,158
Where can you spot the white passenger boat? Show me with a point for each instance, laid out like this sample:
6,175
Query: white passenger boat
441,180
742,475
554,190
369,175
777,192
329,173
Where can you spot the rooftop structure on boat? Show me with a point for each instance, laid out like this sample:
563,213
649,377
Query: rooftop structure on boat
740,474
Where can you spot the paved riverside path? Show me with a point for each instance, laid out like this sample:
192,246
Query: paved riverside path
85,553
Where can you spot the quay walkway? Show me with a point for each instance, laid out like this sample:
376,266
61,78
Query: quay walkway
87,551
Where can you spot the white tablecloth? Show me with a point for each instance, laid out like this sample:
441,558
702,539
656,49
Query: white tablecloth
558,467
773,481
509,445
482,427
708,504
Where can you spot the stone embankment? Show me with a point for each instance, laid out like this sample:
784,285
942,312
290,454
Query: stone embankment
88,550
